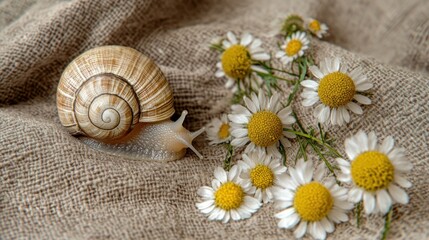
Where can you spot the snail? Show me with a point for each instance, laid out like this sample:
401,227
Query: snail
119,101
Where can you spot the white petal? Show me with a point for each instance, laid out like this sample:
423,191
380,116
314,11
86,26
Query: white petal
319,173
401,181
239,109
362,140
233,172
261,56
339,215
384,202
354,108
241,132
398,194
317,230
327,225
352,149
234,215
344,178
258,69
289,222
301,229
250,105
334,116
205,204
215,184
226,44
215,213
387,145
345,114
342,162
226,217
231,37
324,114
372,140
219,74
310,84
297,176
229,83
205,192
368,202
246,38
316,72
252,203
256,43
220,174
362,99
336,64
355,195
363,86
238,118
285,213
280,54
309,102
207,210
239,142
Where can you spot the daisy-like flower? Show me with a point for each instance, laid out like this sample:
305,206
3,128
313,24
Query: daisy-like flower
376,172
335,91
262,173
218,130
312,202
317,28
261,124
227,198
293,47
238,59
292,23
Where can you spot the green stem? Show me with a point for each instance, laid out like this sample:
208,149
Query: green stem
387,222
276,69
228,157
303,73
217,48
358,211
315,139
319,153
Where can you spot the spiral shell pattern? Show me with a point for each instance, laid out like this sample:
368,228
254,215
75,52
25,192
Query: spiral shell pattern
105,91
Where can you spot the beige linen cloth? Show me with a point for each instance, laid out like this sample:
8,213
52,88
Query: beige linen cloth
54,187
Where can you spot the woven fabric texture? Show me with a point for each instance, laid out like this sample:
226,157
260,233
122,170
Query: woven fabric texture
52,186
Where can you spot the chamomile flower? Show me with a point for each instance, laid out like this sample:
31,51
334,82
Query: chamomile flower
317,28
227,198
261,124
293,47
376,172
310,201
286,26
262,173
218,130
335,91
237,62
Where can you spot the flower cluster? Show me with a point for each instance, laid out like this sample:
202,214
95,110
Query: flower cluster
262,125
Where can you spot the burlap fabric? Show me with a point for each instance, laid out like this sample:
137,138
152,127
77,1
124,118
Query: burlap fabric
54,187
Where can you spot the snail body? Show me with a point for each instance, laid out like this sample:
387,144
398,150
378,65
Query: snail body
120,102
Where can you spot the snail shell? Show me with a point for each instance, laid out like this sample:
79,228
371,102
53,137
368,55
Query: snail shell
107,91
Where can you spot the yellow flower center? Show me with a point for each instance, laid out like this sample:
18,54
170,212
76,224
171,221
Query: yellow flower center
293,47
229,196
236,62
223,131
336,89
372,171
313,201
314,26
264,128
262,176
